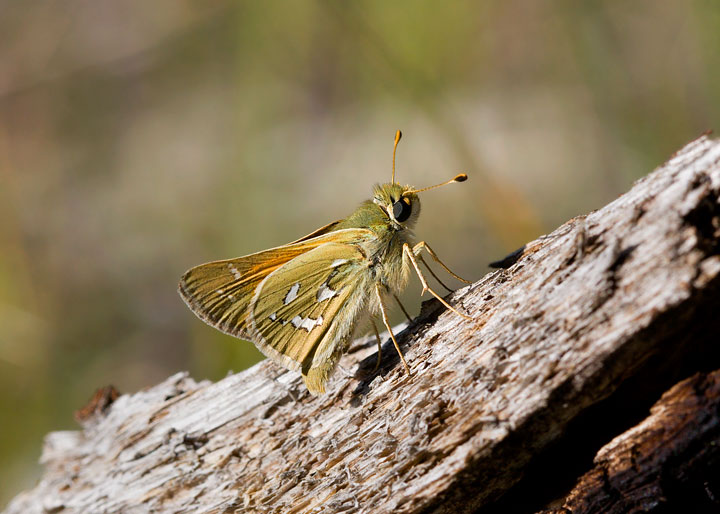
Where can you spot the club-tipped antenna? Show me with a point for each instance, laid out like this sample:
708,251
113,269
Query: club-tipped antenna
457,178
398,136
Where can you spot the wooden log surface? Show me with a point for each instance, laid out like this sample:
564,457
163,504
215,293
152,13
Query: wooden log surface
580,334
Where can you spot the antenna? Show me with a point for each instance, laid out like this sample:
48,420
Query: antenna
398,136
458,178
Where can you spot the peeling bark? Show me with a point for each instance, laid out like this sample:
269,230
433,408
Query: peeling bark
580,332
668,463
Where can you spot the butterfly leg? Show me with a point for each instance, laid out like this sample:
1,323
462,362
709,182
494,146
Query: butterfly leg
379,343
403,307
422,245
433,274
411,255
383,312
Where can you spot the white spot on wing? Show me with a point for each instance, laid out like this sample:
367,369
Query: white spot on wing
234,271
273,316
306,323
292,294
325,292
222,293
338,262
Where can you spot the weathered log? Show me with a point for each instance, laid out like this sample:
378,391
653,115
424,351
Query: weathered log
585,328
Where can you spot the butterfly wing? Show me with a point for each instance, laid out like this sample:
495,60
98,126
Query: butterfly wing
304,313
319,232
294,302
220,292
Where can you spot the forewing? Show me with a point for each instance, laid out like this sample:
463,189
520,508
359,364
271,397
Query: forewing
319,232
220,292
302,302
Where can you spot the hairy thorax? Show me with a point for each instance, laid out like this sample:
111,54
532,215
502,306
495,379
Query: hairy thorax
387,263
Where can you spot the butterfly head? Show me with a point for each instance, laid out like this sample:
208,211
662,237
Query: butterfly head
401,203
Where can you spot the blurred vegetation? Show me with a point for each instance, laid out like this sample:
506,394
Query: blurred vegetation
138,139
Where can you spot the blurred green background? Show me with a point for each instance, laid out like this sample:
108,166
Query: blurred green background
138,139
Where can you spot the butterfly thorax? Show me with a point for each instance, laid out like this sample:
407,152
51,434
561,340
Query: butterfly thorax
391,216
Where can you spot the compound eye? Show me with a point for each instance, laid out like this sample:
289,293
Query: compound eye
402,209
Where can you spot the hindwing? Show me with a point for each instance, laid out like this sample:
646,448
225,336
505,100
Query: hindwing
302,304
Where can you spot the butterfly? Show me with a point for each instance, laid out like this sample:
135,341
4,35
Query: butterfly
300,302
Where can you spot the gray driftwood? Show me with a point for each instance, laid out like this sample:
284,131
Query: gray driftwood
585,325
